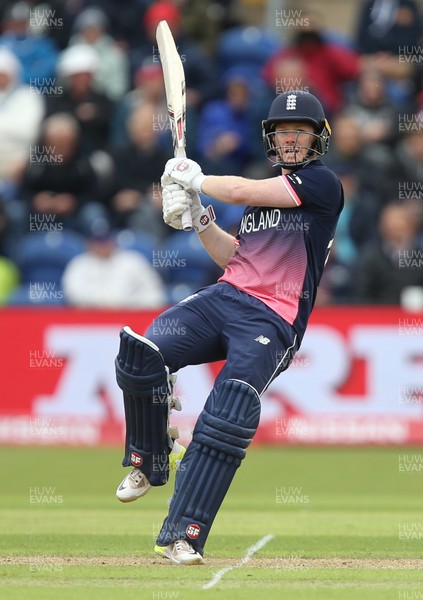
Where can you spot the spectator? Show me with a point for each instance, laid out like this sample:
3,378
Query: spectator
9,273
60,179
386,25
47,20
386,31
37,53
139,164
388,266
21,113
112,75
409,159
358,221
335,284
108,277
124,17
348,147
224,128
149,88
374,112
93,110
246,46
327,66
199,70
9,279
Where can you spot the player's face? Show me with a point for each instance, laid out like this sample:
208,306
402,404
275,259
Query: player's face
293,140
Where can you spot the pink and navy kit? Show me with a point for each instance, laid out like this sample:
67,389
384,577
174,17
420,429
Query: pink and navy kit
282,251
256,315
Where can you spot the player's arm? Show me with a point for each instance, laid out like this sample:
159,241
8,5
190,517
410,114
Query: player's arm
275,191
221,246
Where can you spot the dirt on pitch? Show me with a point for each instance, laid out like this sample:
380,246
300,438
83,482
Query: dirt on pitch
267,563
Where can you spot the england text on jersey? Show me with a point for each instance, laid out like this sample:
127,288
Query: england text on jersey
282,251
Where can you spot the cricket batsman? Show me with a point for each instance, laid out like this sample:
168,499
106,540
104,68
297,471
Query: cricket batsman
254,318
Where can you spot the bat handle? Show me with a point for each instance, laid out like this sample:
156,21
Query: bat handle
186,220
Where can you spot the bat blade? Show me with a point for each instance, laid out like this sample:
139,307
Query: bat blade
174,80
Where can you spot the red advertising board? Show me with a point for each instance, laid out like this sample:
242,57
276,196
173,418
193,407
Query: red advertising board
358,379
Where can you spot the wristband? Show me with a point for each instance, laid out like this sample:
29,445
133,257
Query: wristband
204,219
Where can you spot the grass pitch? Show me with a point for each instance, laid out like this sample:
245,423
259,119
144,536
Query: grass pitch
346,524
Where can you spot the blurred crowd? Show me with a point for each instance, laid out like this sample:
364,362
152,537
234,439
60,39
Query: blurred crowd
84,139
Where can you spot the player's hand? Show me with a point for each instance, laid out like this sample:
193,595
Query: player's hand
175,201
185,172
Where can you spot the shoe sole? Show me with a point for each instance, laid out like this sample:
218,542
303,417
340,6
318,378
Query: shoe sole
163,552
131,499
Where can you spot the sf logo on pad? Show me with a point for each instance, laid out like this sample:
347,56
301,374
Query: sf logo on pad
193,531
136,459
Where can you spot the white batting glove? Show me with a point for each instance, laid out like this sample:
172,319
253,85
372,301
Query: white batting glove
165,180
184,171
175,201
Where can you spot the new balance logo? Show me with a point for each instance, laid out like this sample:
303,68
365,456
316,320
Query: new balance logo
262,340
291,102
189,298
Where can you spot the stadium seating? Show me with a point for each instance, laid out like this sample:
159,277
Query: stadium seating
143,243
184,265
42,259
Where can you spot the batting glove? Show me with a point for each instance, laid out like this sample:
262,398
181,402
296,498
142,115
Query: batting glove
184,171
176,200
201,217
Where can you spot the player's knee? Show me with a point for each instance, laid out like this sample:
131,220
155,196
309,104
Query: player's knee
230,418
139,364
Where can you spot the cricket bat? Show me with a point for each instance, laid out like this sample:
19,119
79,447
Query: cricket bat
174,80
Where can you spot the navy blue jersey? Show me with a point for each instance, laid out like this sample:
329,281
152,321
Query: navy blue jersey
282,251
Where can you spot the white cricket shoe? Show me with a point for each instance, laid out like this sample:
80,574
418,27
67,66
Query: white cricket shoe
133,486
180,553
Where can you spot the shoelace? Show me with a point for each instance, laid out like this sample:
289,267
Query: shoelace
183,546
136,476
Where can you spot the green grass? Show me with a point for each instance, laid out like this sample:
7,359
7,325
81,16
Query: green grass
63,535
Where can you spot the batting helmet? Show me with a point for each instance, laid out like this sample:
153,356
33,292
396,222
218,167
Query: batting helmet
296,105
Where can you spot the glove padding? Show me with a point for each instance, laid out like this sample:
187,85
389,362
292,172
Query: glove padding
184,171
176,200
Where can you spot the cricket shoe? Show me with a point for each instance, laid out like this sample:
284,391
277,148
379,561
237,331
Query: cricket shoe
180,553
135,485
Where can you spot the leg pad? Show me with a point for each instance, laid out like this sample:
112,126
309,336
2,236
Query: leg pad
221,436
142,376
